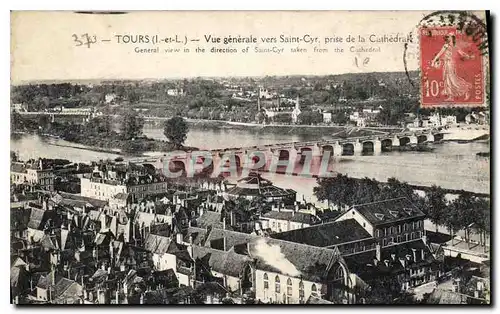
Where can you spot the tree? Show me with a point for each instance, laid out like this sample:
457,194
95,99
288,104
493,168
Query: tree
283,118
435,205
131,125
310,117
44,121
176,130
13,156
465,211
16,121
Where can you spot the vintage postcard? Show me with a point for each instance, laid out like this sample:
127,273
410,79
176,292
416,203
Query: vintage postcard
250,157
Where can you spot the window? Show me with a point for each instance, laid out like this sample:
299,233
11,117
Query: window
385,231
289,287
419,234
405,227
277,284
301,290
379,233
314,290
266,282
391,240
399,239
406,237
412,236
385,242
399,229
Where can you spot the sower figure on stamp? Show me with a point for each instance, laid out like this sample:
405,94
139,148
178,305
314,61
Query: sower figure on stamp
454,85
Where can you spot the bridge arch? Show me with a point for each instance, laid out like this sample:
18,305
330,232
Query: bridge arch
368,148
348,149
284,154
175,166
438,137
304,151
386,145
403,141
328,148
421,138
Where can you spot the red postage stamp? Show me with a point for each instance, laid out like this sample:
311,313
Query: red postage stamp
451,67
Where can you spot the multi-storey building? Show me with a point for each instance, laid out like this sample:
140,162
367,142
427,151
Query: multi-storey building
106,184
33,173
389,221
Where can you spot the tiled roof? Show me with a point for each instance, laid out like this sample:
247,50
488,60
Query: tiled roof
37,218
328,234
17,167
363,263
211,219
290,258
92,201
233,238
157,244
388,211
228,263
299,217
197,234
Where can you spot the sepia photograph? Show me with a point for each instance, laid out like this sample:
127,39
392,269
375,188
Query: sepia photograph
250,158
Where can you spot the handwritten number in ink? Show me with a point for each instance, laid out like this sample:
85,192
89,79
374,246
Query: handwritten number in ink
77,40
365,61
84,39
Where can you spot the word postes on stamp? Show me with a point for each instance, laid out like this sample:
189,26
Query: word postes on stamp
451,65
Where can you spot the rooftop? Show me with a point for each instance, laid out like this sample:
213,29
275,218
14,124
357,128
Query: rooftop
328,234
388,211
293,216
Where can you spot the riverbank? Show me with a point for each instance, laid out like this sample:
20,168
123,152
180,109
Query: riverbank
303,130
129,148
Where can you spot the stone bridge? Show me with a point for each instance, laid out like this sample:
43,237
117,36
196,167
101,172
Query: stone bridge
286,157
78,116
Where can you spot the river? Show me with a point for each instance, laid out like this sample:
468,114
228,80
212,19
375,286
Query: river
451,165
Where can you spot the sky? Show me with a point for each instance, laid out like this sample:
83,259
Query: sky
46,45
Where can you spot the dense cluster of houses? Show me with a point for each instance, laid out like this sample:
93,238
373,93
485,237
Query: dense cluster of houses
153,242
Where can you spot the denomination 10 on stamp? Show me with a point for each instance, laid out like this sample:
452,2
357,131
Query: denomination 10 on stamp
451,66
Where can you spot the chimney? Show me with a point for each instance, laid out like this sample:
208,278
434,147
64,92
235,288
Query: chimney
233,218
111,250
378,253
53,276
393,257
224,243
414,255
40,163
224,223
179,238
